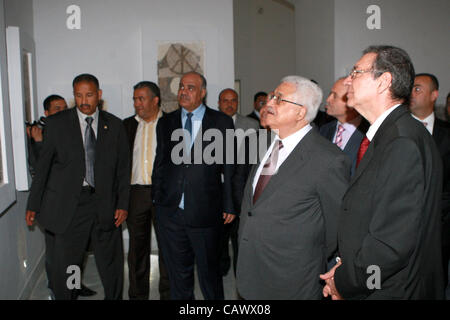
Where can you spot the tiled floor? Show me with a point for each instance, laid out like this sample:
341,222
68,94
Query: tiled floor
92,280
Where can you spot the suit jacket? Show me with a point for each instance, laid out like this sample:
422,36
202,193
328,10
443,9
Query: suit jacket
390,216
289,233
441,135
205,196
131,126
253,116
60,171
328,130
245,123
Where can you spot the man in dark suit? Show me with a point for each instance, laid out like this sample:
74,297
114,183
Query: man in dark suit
288,223
81,189
141,132
423,98
259,100
228,104
389,231
191,202
349,128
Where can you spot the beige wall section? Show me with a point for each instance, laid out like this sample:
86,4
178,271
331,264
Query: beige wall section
264,38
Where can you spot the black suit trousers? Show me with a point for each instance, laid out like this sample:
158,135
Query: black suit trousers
182,247
139,223
70,247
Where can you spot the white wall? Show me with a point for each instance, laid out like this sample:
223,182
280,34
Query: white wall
117,43
264,33
314,27
420,27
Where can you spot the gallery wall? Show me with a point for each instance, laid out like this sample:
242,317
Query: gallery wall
118,42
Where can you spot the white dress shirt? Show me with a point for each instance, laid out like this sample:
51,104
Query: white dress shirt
428,122
349,129
376,125
289,143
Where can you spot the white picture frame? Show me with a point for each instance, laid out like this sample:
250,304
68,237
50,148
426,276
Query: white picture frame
7,179
22,94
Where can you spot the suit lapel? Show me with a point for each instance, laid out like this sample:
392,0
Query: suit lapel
293,163
102,137
76,131
377,139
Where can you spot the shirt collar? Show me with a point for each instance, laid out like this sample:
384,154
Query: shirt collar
197,114
139,119
376,125
291,141
83,116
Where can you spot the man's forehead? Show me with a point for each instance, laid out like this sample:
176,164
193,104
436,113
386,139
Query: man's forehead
191,79
366,60
285,88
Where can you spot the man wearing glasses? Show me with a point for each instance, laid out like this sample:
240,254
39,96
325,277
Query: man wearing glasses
259,100
289,209
389,230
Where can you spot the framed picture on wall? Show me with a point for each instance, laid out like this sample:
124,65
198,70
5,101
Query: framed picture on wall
22,94
7,179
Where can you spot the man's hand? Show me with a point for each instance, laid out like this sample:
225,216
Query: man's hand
120,216
228,217
36,133
29,217
330,287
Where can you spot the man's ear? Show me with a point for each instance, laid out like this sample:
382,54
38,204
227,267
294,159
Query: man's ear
385,81
46,113
434,95
100,92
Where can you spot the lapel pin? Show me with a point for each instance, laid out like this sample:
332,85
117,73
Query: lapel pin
105,127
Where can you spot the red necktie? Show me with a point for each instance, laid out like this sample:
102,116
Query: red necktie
267,171
362,149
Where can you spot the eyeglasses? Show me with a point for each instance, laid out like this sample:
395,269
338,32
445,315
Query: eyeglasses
278,99
354,72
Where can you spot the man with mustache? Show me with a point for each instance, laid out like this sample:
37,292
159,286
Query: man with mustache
287,232
191,201
81,189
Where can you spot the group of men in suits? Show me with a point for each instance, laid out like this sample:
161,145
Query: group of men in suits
366,195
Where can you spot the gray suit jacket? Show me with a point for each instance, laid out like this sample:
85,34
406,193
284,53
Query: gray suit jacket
287,236
245,123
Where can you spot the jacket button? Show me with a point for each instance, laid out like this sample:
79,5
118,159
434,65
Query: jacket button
249,214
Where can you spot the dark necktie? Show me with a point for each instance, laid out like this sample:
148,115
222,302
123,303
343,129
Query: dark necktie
188,127
362,149
89,149
268,170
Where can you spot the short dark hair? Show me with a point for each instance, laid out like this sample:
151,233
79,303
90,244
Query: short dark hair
259,94
398,63
86,77
434,80
153,87
50,99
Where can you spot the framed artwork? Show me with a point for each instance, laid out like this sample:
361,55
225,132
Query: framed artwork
174,60
22,94
7,179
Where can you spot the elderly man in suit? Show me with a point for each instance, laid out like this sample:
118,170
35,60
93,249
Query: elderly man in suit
81,189
389,230
228,104
291,200
191,201
141,132
349,128
423,98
